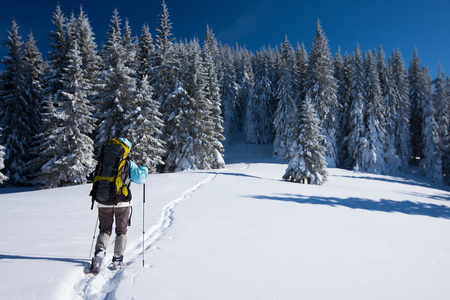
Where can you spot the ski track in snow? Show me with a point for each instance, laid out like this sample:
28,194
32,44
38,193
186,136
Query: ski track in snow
104,285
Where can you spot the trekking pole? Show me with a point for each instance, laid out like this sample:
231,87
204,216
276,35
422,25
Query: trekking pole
93,237
143,225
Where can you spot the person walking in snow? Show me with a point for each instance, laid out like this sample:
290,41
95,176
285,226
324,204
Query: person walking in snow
111,190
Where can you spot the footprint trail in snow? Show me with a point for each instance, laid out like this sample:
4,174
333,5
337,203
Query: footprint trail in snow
104,285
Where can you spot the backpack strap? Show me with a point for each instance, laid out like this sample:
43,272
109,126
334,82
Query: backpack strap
97,171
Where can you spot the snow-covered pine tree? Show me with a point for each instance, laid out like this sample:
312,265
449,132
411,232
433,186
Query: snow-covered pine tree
193,145
300,71
417,96
57,57
52,86
71,32
87,46
75,159
252,120
399,108
431,164
212,94
145,53
260,109
382,71
164,44
321,89
18,115
211,46
117,94
45,150
286,115
33,77
212,116
66,153
338,62
143,129
79,31
343,74
212,58
34,70
307,163
373,157
69,35
113,38
441,102
356,140
164,76
389,91
230,93
130,46
246,83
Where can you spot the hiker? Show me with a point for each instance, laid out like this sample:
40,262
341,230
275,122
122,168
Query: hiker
116,206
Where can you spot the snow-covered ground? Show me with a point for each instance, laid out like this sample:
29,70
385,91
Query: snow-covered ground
237,233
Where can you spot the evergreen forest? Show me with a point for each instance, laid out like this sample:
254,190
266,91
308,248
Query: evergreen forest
178,102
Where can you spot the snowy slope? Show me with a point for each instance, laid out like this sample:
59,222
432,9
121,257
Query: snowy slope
237,233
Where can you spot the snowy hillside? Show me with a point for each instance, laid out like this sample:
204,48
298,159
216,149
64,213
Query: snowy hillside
237,233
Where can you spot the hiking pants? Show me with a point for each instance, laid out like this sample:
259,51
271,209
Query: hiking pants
106,216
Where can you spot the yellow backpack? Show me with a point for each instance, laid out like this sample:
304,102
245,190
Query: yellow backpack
112,179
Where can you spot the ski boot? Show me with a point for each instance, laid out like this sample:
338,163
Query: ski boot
117,262
97,260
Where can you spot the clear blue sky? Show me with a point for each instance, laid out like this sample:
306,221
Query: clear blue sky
394,24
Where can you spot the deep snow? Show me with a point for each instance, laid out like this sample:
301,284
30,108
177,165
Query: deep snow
237,233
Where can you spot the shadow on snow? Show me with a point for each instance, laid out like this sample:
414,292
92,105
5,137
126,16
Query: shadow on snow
402,179
13,190
382,205
81,262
